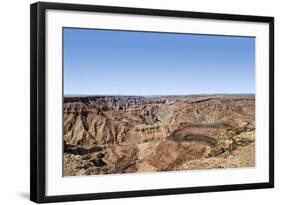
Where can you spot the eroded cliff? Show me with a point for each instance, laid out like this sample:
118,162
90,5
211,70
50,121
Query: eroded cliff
123,134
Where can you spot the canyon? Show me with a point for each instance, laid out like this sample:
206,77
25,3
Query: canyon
130,134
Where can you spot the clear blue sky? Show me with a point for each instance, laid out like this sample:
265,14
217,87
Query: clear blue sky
104,62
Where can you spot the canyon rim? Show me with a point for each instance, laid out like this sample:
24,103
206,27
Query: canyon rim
126,134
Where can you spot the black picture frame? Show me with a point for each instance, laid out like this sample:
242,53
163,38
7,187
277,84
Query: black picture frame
38,101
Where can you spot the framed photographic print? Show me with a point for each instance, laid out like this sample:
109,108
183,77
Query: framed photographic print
129,102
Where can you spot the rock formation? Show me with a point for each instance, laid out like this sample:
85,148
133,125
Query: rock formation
126,134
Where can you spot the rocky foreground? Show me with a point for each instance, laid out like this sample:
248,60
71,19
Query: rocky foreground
127,134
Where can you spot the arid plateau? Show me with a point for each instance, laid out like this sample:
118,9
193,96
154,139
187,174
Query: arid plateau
129,134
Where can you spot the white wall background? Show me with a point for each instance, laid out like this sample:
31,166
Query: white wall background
14,100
